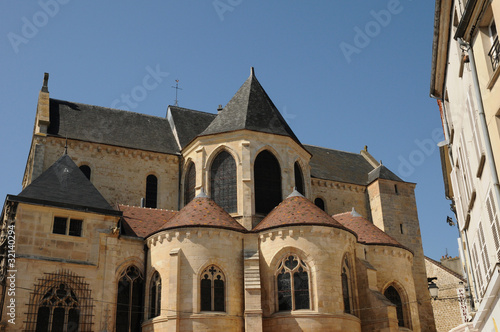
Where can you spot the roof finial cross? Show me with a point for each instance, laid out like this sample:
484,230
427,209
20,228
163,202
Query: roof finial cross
176,87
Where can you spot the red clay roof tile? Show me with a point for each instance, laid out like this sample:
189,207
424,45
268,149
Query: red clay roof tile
295,211
143,221
367,232
203,212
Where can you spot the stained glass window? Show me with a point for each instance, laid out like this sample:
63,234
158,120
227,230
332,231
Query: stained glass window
347,286
128,306
151,191
155,295
212,289
293,293
392,295
299,179
59,307
223,181
189,183
267,175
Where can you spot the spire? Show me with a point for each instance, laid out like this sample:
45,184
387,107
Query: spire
251,109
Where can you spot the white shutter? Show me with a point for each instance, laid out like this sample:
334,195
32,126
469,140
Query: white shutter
495,225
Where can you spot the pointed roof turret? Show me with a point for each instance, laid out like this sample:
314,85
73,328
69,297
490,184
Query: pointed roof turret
251,109
63,184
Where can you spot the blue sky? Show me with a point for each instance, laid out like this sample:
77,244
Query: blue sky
343,74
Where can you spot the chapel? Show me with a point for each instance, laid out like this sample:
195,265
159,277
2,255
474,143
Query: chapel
203,221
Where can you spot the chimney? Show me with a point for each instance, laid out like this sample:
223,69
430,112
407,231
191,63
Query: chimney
42,110
219,108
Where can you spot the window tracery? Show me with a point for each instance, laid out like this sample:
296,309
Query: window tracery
155,295
129,300
292,281
212,289
223,181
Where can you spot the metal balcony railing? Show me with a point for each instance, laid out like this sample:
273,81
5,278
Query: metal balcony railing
494,53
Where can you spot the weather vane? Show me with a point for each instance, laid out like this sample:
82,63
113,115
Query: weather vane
176,87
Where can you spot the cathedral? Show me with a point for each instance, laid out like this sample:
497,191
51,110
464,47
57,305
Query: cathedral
204,221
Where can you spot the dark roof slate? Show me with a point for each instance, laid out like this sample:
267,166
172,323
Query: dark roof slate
111,126
338,165
64,183
189,123
251,109
382,172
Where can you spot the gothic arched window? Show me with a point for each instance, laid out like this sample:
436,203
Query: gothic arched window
58,310
189,183
299,179
86,171
223,181
60,302
347,295
129,298
267,176
151,191
392,295
320,203
212,289
155,295
292,282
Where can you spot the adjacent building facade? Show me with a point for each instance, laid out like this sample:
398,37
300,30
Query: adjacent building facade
241,227
464,80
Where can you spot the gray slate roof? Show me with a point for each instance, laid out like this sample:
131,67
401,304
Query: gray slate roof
382,172
338,165
252,109
111,126
189,123
63,184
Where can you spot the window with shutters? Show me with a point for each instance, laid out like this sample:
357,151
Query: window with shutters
292,284
267,177
212,289
476,138
155,295
484,252
478,271
223,182
151,191
492,211
190,183
129,309
299,178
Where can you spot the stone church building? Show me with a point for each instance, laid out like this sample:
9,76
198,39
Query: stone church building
205,222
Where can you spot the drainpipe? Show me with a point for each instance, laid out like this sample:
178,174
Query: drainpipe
482,121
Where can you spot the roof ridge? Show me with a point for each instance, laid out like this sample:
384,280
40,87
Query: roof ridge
111,109
143,207
191,110
447,269
321,147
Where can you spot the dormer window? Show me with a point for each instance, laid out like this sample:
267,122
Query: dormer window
67,226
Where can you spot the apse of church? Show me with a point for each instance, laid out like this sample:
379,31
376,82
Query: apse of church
207,221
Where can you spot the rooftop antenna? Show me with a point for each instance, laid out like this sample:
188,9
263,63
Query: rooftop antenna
176,87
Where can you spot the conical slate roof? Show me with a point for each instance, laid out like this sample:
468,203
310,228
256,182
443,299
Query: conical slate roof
203,212
63,184
296,210
251,109
367,232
